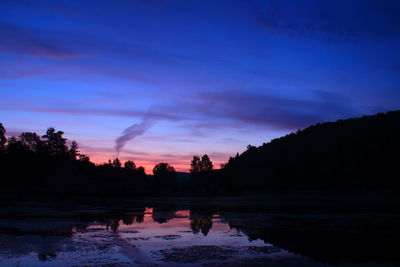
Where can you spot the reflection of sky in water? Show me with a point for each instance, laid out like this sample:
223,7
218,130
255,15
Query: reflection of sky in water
138,243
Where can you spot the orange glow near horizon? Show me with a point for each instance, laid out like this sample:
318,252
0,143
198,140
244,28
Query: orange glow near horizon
149,164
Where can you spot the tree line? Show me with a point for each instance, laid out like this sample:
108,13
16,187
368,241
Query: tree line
346,155
49,164
353,154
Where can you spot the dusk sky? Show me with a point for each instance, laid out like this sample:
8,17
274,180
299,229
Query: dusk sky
161,81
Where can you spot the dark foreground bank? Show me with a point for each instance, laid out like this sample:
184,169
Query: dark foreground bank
290,230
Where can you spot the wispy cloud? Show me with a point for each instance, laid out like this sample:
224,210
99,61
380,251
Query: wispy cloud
108,150
332,20
217,110
30,42
131,132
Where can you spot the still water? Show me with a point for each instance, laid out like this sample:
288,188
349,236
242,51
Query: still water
142,235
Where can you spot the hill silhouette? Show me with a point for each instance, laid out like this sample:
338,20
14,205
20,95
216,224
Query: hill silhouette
351,154
346,155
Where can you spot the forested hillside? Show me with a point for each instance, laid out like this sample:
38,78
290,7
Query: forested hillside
361,153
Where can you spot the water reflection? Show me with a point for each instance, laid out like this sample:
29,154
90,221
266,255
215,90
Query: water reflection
163,214
200,221
170,234
145,236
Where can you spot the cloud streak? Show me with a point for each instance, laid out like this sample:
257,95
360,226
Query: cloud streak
131,132
329,20
28,42
204,71
217,110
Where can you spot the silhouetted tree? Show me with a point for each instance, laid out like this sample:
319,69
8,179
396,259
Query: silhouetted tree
84,158
202,178
31,165
3,139
14,146
206,164
116,163
163,169
201,165
73,150
55,142
31,142
130,165
164,177
141,171
251,148
195,164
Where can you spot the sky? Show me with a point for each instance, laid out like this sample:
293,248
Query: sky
160,81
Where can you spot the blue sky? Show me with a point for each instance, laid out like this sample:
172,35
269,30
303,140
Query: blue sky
193,77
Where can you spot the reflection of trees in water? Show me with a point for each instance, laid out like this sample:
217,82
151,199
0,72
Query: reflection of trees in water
342,240
54,237
163,214
113,224
139,218
128,220
200,221
322,238
112,219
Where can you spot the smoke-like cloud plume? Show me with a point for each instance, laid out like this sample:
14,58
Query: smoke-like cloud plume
131,132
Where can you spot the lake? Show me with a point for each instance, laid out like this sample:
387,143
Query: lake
194,232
